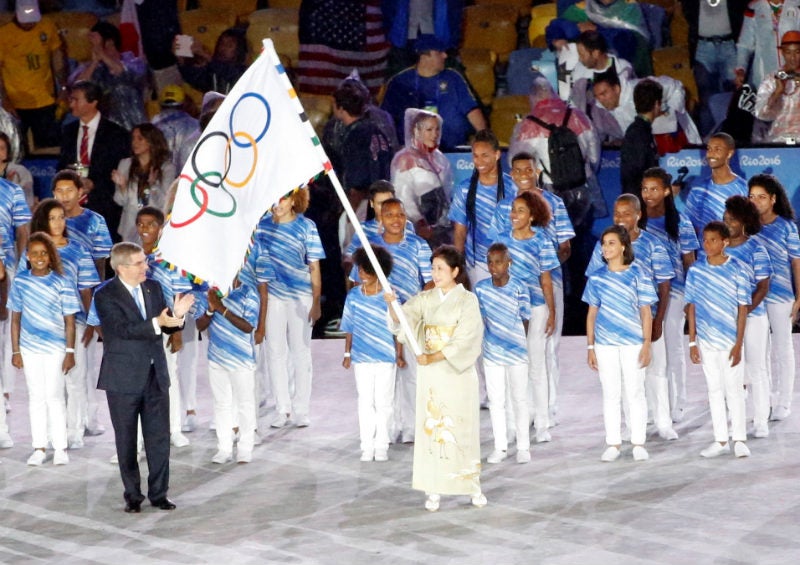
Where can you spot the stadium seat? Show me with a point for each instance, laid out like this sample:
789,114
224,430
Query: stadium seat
284,4
679,27
319,109
541,16
523,6
491,26
206,24
239,7
278,24
74,27
479,69
6,17
674,62
506,112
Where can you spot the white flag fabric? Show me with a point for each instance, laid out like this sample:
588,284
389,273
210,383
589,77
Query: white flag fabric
258,147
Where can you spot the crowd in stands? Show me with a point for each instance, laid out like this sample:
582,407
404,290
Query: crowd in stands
124,119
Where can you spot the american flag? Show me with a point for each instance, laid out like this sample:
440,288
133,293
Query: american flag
337,36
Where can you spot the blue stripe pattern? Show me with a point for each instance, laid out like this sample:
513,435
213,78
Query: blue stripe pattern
755,258
706,201
89,228
686,243
365,318
780,240
14,212
503,309
529,259
229,346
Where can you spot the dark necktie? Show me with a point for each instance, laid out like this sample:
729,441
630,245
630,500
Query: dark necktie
84,156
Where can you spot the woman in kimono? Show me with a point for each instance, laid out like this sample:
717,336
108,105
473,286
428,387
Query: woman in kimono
449,330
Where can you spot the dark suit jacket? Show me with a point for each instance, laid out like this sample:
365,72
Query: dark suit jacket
637,154
129,342
112,143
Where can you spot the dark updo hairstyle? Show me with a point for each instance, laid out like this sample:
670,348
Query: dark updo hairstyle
719,228
454,258
743,210
624,239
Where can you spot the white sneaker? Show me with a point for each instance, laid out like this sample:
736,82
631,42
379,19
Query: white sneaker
479,500
780,413
280,421
610,454
178,440
113,459
221,457
302,421
60,457
244,456
715,450
543,436
497,456
432,502
37,458
189,424
367,455
381,455
740,449
668,434
761,430
640,453
523,456
5,441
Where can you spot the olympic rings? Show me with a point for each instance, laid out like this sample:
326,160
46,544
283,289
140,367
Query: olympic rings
233,112
200,143
203,206
255,158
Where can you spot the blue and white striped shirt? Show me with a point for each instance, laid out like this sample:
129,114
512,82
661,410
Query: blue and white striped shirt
365,318
529,259
752,255
228,346
780,240
503,309
14,212
89,228
686,243
706,201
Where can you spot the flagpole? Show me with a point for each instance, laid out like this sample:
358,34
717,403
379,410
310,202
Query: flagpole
411,338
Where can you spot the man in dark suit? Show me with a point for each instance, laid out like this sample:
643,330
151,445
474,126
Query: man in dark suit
97,143
133,315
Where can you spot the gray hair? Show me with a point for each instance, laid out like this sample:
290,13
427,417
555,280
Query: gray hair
122,252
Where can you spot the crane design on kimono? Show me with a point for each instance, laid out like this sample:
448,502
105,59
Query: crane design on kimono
438,427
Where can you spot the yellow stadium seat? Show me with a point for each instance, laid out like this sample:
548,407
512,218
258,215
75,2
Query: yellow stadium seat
479,68
239,7
506,112
679,27
674,62
541,16
6,17
206,24
74,27
523,6
285,4
278,24
491,26
318,108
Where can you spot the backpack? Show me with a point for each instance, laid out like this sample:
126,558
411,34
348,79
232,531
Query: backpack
567,166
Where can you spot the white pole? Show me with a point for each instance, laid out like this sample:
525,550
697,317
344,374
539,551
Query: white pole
411,339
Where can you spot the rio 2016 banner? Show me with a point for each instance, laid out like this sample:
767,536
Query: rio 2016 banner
258,147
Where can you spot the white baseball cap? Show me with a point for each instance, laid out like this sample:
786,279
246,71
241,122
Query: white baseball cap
28,11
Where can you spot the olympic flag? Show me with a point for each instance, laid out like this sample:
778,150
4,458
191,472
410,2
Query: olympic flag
258,147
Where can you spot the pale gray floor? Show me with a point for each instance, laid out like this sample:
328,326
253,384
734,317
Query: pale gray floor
306,498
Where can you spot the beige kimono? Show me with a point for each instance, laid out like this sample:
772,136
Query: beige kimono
447,454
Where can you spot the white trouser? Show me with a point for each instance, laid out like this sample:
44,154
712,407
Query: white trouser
375,387
508,382
46,403
234,404
725,386
289,337
476,273
656,385
3,423
76,388
405,396
676,356
262,384
782,352
552,348
174,388
618,368
756,357
538,403
94,355
9,372
187,367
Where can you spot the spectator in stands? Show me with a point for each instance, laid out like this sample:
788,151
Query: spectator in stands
31,63
673,127
92,142
15,172
638,152
121,76
406,20
593,58
778,99
431,87
765,22
178,127
8,125
218,71
158,23
713,30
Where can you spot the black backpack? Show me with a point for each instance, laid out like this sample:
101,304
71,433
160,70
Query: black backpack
567,166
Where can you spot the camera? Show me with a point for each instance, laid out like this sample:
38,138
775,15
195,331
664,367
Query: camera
783,75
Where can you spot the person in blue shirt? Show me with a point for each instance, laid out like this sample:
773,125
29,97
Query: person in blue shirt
371,350
706,201
149,221
295,249
662,219
618,330
43,306
80,271
90,229
779,236
741,217
475,201
533,259
717,297
653,259
231,368
505,307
